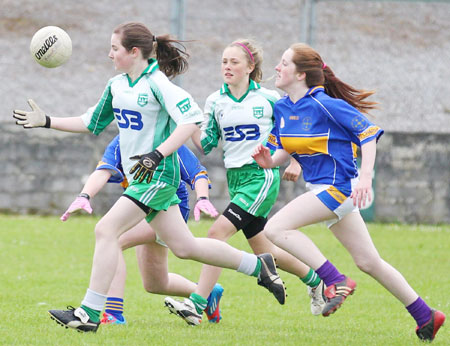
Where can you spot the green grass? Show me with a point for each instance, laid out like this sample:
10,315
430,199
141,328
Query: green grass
45,264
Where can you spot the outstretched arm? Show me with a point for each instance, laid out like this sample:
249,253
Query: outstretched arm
96,181
37,118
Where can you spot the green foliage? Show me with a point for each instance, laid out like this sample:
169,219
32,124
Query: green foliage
46,264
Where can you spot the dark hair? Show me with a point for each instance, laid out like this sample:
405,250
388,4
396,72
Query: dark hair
256,57
172,60
307,60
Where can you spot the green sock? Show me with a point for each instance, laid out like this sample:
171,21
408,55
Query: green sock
199,302
257,269
311,279
94,315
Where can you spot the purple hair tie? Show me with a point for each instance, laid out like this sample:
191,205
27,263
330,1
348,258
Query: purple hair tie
324,66
248,51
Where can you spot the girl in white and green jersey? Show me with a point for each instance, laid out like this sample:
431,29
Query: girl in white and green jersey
240,114
156,117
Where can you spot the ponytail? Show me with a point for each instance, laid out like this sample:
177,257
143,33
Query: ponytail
171,59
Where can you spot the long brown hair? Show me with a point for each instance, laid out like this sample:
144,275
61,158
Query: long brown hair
170,53
307,60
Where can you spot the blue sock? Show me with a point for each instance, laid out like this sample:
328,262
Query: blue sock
329,274
420,311
114,306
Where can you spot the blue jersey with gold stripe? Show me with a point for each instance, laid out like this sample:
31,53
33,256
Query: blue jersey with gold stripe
190,169
322,133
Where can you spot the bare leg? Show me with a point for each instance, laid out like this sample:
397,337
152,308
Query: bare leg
153,265
123,215
221,229
172,229
260,244
352,232
281,229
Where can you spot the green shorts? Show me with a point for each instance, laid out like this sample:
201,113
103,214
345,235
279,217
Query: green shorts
152,197
254,189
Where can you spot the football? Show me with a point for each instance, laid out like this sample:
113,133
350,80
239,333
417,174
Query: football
51,46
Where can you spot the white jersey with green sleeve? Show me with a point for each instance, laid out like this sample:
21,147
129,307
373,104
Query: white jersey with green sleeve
146,113
241,124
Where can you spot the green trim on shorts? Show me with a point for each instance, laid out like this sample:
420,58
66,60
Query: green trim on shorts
157,196
254,189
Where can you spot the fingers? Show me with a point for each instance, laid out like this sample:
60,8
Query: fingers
135,157
18,114
65,216
196,213
134,168
33,104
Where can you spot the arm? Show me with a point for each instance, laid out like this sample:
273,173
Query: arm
264,159
178,137
196,140
292,172
37,118
363,190
203,204
148,163
94,184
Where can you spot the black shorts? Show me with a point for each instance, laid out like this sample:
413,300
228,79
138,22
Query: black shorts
248,223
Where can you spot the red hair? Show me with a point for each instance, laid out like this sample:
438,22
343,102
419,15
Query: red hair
308,61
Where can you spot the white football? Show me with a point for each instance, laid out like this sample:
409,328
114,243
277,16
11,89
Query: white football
51,46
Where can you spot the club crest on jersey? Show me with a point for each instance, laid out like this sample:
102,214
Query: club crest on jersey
258,112
184,105
306,123
359,123
142,100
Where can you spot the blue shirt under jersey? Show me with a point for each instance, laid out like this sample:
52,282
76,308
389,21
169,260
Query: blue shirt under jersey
190,169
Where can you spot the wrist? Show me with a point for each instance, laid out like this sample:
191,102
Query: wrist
48,122
202,198
158,153
84,195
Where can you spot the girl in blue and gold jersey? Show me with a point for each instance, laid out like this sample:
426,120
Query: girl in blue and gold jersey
320,123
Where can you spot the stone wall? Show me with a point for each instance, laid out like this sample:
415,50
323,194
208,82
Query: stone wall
44,170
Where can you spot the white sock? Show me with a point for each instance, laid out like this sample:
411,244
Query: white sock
248,263
94,300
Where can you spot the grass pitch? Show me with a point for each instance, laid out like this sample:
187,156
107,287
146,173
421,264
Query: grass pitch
45,264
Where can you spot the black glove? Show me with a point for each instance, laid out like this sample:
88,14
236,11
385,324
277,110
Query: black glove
146,165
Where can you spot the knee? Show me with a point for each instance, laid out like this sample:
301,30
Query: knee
182,251
271,231
368,264
216,233
154,286
102,231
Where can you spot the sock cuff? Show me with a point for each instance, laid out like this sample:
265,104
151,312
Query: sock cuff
94,300
249,263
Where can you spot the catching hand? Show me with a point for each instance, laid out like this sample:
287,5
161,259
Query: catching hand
262,156
35,118
204,205
146,165
80,203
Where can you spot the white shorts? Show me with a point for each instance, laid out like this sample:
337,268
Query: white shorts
346,207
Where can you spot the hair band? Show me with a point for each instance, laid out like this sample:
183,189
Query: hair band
248,50
324,66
